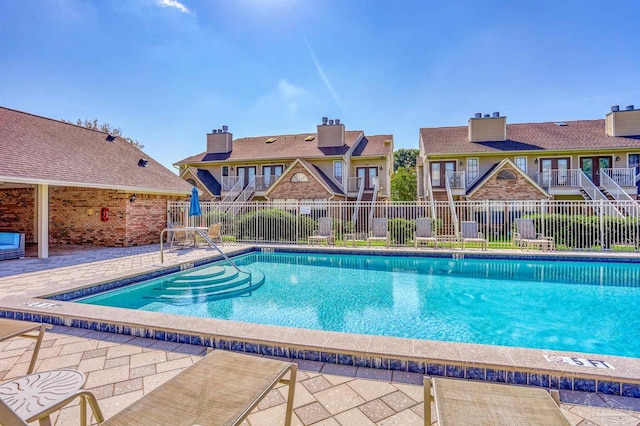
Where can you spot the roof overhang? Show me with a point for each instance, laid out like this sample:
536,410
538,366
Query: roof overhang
34,181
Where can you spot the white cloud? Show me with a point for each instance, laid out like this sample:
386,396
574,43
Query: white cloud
323,76
175,4
288,91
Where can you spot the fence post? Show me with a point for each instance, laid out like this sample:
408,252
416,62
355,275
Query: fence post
543,211
601,225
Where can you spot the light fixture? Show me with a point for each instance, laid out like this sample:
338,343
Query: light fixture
535,161
617,158
460,163
132,198
231,168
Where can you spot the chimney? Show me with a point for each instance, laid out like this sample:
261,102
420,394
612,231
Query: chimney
488,128
219,141
623,123
331,134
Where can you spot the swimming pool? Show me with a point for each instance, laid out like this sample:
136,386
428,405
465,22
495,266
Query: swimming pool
574,306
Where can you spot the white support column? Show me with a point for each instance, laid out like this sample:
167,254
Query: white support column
42,206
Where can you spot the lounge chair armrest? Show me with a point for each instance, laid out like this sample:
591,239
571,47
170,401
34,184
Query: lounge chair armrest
480,235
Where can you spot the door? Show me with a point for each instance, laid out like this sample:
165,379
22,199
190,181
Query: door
368,176
439,170
246,174
591,166
271,174
555,172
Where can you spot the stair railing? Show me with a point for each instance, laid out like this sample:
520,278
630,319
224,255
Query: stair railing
354,218
452,205
611,186
595,194
376,186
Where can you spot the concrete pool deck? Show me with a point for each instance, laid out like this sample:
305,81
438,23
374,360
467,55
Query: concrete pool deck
21,281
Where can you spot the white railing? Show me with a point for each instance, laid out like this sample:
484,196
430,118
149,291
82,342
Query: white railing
376,187
456,180
246,193
583,225
631,206
354,184
229,182
358,200
430,193
570,178
622,176
452,206
233,192
595,194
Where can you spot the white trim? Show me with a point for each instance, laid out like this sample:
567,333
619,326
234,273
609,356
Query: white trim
526,163
34,181
469,178
342,164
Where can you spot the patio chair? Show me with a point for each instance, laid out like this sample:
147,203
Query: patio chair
469,234
10,328
37,396
462,402
380,232
177,237
525,236
215,233
324,232
220,389
424,232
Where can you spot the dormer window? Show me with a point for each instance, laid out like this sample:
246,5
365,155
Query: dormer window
299,177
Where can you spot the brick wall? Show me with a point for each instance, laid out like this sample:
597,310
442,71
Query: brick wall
74,217
507,189
17,210
299,190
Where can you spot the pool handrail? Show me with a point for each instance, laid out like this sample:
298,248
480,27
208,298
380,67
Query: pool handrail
200,232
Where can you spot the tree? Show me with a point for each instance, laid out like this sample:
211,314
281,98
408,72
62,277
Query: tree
106,128
404,184
405,158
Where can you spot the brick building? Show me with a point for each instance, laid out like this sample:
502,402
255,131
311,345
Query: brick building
565,160
329,164
66,184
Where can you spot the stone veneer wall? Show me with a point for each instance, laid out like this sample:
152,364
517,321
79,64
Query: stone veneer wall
17,210
299,190
505,190
74,217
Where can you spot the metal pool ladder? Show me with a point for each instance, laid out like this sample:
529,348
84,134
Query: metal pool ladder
203,235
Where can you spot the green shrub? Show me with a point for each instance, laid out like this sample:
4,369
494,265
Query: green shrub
401,230
273,225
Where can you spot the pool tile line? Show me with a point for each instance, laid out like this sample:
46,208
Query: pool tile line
468,371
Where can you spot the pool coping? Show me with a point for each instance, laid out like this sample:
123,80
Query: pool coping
514,365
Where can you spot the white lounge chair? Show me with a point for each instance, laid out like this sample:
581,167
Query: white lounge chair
463,402
525,236
469,234
324,232
424,232
380,232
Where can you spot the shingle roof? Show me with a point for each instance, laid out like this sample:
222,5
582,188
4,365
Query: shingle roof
582,134
293,146
209,181
40,149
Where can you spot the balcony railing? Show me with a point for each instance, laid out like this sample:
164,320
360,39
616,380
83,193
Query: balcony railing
623,176
262,182
457,180
353,184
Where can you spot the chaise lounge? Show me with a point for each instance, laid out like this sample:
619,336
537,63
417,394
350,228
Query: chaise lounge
220,389
525,236
469,403
11,245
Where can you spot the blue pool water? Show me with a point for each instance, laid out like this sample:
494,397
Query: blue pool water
574,306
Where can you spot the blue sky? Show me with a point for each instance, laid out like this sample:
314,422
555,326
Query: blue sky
168,71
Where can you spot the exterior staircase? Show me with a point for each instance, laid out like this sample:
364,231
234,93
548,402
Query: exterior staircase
215,282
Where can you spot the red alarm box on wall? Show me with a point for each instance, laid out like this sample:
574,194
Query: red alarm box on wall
104,214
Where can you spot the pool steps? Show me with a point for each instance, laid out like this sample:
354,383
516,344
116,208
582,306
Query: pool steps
222,283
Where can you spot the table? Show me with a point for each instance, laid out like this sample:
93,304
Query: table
13,328
350,237
220,389
463,402
447,239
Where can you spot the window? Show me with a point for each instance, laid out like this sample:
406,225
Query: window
191,182
521,162
271,173
473,169
506,175
225,170
337,171
299,177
